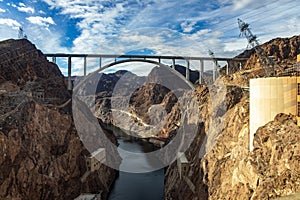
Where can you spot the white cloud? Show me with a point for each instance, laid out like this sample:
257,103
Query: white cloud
46,40
22,4
26,9
41,21
2,10
9,22
240,4
41,12
187,26
22,7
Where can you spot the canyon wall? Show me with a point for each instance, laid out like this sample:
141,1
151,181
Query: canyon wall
42,154
225,168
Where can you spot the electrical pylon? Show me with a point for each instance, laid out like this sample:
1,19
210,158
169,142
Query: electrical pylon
253,43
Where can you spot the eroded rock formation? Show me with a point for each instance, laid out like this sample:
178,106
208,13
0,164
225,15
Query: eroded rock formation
42,154
225,169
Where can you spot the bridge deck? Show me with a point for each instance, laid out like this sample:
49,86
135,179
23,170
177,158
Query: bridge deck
144,58
141,56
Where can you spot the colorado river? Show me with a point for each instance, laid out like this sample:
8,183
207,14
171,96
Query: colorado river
136,186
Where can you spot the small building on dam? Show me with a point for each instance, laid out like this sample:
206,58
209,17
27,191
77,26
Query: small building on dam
271,96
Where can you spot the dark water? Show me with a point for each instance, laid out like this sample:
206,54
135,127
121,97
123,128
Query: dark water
136,186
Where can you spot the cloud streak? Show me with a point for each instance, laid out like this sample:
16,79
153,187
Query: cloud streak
41,21
9,22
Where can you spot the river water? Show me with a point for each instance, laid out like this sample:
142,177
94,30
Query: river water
136,186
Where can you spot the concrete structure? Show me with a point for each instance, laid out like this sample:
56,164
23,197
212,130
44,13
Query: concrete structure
89,197
39,94
182,163
269,97
93,162
142,58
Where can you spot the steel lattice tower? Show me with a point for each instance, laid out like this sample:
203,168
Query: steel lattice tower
253,43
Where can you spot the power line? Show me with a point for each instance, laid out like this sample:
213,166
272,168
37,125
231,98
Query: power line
253,10
249,16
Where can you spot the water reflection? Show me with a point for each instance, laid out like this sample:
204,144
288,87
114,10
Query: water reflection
136,186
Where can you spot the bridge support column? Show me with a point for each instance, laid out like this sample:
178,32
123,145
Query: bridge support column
69,73
54,60
227,67
201,81
100,62
84,66
214,71
159,60
187,71
173,63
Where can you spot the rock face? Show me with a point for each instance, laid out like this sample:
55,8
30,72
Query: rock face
283,51
224,168
25,67
228,170
112,86
43,157
143,100
211,124
135,104
277,158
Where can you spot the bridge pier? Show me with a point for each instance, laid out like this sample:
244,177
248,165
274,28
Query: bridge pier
54,60
215,70
187,71
201,81
84,66
227,67
173,63
100,62
69,73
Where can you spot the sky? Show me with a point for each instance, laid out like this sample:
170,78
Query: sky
158,27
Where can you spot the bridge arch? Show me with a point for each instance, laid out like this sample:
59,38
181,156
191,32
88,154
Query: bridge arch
146,58
170,69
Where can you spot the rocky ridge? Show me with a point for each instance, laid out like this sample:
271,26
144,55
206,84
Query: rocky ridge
281,50
225,169
43,156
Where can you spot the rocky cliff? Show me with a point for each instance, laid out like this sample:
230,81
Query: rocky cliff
25,67
283,51
225,169
228,170
43,156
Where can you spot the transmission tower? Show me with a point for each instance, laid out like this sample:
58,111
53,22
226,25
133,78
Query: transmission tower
216,65
253,43
21,33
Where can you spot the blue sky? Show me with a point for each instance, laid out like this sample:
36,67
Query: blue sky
161,27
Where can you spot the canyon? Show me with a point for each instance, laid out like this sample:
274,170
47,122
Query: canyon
44,158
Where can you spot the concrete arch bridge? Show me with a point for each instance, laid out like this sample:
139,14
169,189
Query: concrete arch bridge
153,59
